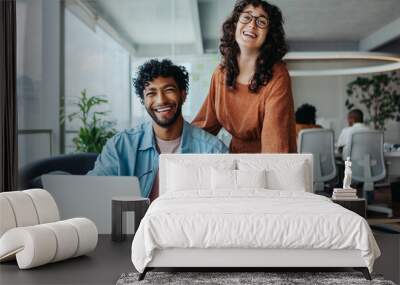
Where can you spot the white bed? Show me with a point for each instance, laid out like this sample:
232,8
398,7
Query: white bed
223,218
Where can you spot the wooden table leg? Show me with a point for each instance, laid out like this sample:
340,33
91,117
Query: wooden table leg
140,211
116,221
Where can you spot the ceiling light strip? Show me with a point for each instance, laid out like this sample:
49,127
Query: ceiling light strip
346,71
342,55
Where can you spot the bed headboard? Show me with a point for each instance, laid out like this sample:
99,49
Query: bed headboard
282,161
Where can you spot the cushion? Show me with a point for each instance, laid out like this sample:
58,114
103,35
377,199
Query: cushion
223,179
66,237
45,205
27,208
23,208
7,215
40,244
34,245
277,173
187,176
251,178
87,232
236,179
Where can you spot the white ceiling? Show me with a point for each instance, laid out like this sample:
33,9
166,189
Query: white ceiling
194,25
336,19
150,21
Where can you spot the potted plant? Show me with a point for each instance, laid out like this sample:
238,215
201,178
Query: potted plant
95,130
379,95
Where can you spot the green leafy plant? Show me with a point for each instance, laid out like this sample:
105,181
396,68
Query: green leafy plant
95,130
379,95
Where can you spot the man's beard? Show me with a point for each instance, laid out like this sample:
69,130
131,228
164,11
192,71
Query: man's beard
166,123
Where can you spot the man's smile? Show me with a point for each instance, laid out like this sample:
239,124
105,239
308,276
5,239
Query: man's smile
164,108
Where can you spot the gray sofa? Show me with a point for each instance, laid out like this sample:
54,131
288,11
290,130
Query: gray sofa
76,163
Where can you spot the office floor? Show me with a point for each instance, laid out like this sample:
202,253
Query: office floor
102,266
111,259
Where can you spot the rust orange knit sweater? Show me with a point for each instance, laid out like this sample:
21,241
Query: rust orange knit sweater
258,122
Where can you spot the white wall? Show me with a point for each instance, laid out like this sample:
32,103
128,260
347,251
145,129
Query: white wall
96,62
38,65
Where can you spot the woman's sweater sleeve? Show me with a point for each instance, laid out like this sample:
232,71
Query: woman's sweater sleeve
278,133
206,118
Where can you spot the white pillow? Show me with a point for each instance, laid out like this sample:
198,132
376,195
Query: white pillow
251,178
235,179
293,179
223,179
281,174
188,176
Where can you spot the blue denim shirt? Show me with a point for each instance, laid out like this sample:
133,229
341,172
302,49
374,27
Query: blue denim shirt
133,152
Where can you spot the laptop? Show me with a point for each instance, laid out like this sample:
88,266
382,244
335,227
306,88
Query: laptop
89,196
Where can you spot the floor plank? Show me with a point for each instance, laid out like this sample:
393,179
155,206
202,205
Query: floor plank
102,266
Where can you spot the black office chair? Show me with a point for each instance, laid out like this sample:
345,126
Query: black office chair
76,163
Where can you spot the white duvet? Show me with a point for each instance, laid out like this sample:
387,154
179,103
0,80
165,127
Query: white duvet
253,218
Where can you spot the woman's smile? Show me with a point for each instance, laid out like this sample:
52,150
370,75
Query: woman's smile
249,35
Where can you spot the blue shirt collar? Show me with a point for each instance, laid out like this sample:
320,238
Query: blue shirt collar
186,139
148,140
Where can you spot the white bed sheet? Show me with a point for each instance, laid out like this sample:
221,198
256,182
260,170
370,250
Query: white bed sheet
251,218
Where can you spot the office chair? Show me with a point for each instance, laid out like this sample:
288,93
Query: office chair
320,143
368,164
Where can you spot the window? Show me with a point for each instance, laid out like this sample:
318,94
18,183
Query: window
96,62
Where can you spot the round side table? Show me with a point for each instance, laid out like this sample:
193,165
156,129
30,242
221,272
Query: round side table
121,204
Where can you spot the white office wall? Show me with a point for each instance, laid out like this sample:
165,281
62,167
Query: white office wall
38,65
96,62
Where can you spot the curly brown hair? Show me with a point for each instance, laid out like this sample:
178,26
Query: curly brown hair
272,50
155,68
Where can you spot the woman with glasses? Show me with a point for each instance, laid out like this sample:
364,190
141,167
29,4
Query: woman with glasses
250,92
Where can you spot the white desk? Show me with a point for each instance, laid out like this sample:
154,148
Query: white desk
394,159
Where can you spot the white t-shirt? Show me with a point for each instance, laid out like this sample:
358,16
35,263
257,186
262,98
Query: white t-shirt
171,146
345,137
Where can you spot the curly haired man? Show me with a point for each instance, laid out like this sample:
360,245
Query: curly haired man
162,88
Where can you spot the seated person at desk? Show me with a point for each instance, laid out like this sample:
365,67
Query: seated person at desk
162,88
305,118
355,120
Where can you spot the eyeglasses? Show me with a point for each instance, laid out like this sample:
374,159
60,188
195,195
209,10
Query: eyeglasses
261,21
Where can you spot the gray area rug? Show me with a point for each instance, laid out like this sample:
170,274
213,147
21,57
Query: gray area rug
230,278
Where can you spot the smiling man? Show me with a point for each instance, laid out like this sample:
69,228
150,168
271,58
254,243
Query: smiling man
162,88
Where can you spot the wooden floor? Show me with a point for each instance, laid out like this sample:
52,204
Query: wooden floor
111,259
389,263
103,266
